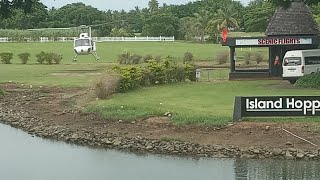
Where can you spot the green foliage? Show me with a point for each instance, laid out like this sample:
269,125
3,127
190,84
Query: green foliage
6,57
252,56
124,58
161,25
135,59
24,57
309,81
155,73
49,58
257,16
188,57
222,57
147,58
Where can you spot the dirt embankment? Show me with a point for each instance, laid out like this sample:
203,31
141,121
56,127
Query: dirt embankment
56,113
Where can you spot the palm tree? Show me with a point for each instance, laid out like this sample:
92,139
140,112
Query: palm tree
115,32
202,19
224,18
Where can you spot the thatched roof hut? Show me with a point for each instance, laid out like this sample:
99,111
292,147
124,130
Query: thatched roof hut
295,20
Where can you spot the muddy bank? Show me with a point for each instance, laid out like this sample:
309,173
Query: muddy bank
53,114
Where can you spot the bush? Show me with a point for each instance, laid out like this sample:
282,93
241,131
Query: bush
222,57
6,57
106,86
310,80
57,58
154,73
124,58
50,58
24,57
135,59
157,58
257,57
147,58
247,57
41,57
188,57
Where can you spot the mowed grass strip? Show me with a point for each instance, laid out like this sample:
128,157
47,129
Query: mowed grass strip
109,51
191,103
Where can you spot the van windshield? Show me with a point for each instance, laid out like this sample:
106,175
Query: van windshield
292,61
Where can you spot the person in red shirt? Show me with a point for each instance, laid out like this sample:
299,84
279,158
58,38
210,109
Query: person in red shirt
277,66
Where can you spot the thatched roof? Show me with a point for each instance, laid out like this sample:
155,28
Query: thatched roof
296,20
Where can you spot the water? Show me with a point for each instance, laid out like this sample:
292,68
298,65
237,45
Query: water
23,157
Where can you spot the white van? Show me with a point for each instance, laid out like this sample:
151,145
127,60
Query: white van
299,63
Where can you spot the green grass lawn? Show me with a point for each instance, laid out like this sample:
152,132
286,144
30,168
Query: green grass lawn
108,51
199,103
209,101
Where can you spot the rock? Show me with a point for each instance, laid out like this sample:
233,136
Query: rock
289,143
74,136
256,151
117,142
277,151
267,128
133,122
247,156
300,155
292,149
167,114
289,156
120,121
149,147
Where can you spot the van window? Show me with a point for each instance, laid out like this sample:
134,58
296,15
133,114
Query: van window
292,61
312,60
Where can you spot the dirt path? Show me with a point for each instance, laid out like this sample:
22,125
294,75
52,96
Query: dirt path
62,107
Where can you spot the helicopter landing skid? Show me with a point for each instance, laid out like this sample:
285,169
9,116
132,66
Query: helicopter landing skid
95,55
75,58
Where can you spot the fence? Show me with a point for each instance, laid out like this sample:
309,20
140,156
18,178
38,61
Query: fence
98,39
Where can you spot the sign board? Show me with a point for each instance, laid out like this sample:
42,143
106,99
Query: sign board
276,106
198,73
273,41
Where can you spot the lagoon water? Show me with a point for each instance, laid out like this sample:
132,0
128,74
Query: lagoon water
23,157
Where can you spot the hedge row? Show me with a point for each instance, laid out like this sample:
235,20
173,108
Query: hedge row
42,57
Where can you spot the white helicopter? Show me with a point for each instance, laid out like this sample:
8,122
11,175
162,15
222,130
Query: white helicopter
84,45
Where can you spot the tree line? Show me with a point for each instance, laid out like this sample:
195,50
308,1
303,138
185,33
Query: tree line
202,19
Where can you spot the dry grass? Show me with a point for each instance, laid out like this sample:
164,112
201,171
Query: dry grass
106,86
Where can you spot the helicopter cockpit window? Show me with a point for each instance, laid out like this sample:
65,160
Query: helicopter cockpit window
82,42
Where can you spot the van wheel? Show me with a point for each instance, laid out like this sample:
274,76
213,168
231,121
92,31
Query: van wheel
292,81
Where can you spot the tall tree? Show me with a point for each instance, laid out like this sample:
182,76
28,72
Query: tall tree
7,6
257,15
153,5
202,20
161,25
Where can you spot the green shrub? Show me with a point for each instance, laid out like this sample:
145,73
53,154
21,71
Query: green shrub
257,57
135,59
157,58
310,80
147,58
247,57
6,57
222,57
164,72
124,58
188,57
57,58
41,57
24,57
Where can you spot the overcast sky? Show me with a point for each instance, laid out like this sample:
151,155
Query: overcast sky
115,4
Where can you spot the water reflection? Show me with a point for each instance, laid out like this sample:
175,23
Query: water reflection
27,158
276,169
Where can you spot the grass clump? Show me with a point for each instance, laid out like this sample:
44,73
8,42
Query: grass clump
106,86
188,57
1,93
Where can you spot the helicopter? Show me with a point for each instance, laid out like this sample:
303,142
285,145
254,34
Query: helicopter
84,45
